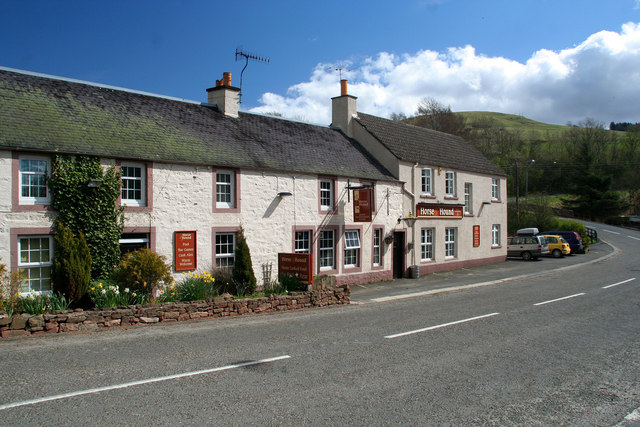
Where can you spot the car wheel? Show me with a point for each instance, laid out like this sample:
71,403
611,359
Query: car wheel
557,253
526,256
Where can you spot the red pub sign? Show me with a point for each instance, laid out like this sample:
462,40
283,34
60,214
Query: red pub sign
296,264
476,236
362,205
438,211
185,250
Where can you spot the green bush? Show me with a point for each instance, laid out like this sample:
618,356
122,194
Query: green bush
291,283
194,287
142,270
243,277
71,272
38,304
107,294
9,290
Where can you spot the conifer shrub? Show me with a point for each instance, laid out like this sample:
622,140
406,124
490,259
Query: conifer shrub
142,270
71,271
243,277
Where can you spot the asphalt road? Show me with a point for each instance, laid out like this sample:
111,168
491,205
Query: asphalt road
547,348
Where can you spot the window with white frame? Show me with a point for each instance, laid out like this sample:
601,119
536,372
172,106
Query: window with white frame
225,189
377,248
495,235
426,244
225,250
327,250
495,189
352,248
450,183
133,189
33,180
326,194
36,258
450,242
427,177
302,242
468,198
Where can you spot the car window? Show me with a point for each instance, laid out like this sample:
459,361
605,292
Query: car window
551,239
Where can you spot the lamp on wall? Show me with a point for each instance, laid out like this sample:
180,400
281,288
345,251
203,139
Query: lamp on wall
285,193
94,183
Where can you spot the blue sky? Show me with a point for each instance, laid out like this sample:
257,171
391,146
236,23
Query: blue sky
550,60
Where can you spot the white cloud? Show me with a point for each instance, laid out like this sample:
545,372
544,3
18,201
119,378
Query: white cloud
599,78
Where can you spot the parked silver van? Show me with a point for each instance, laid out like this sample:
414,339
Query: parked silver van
527,247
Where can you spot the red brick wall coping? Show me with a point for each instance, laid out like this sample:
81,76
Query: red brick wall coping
21,325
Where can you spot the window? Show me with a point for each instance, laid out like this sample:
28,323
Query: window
33,180
449,243
427,175
327,253
302,241
225,189
326,195
468,198
495,235
133,190
450,183
130,242
495,189
426,244
351,248
225,250
377,248
36,254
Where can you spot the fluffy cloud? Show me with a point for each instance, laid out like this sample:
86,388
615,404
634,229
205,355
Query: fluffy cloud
600,78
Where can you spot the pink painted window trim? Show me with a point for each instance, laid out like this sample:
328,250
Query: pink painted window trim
236,195
336,255
382,243
23,231
15,185
214,230
148,189
334,182
150,230
358,268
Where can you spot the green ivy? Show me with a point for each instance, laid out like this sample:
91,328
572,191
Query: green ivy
85,197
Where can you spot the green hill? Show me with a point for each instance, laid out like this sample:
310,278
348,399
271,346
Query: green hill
530,130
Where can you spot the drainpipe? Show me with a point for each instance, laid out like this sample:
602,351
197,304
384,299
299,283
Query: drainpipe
412,195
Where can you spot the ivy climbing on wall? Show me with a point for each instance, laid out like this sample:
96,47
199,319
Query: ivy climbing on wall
85,196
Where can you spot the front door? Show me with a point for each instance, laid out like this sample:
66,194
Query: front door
398,254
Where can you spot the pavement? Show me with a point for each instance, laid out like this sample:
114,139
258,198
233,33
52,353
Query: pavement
466,278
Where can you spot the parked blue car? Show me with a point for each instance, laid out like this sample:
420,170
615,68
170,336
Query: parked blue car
573,238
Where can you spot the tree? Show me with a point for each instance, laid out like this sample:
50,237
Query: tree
434,115
71,263
243,276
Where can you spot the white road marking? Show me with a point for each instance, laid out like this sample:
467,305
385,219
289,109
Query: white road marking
619,283
402,334
609,231
630,420
634,238
136,383
559,299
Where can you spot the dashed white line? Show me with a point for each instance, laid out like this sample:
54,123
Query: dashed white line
140,382
559,299
430,328
619,283
609,231
634,238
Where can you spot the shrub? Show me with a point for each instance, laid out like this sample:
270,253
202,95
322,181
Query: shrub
194,287
243,276
291,282
9,290
107,294
224,281
38,304
71,264
142,270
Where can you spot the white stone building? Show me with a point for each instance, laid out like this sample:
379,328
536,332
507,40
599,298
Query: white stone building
207,169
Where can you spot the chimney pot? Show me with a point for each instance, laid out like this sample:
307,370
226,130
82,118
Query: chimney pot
226,79
343,87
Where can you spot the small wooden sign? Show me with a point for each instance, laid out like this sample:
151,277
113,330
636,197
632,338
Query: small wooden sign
476,236
296,264
186,256
362,205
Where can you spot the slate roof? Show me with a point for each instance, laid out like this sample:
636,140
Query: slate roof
44,113
429,147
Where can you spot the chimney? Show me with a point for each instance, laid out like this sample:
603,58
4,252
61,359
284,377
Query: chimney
343,110
225,96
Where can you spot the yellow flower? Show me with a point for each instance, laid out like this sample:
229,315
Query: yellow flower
133,294
144,284
93,288
100,285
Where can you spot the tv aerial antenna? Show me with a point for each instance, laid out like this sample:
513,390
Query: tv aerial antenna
240,54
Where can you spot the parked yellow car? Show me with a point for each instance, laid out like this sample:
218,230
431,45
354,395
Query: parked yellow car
558,247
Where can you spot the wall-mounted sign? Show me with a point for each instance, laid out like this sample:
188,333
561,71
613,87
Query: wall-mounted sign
186,257
297,264
476,236
438,211
362,205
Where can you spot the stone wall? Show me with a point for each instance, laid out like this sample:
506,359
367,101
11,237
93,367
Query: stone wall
21,325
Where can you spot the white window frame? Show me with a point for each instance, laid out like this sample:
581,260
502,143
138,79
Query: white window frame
495,189
377,247
352,248
426,244
30,176
28,266
450,242
225,259
450,184
468,198
427,181
495,235
327,249
326,194
127,179
229,188
302,242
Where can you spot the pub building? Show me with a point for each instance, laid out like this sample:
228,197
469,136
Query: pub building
364,199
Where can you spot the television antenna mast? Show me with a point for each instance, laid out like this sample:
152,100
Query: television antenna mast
247,56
